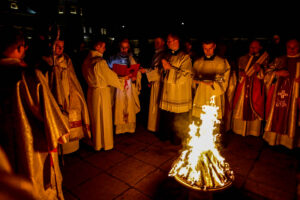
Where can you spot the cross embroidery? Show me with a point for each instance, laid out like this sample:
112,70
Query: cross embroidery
282,94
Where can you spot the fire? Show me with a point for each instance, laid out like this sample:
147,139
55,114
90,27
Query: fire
200,164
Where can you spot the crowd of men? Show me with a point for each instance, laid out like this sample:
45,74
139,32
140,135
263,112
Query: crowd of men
46,108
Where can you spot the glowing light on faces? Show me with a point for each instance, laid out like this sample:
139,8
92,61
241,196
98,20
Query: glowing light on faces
59,47
292,48
209,49
124,48
101,47
254,47
159,43
173,43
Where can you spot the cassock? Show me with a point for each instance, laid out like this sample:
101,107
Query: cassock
71,100
99,78
127,103
154,77
214,69
229,100
248,103
176,97
31,127
282,104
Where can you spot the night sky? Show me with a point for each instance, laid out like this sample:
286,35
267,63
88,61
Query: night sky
243,18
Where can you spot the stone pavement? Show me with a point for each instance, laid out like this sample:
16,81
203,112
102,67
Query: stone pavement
137,169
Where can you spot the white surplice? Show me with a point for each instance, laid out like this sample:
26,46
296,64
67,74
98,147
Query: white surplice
99,78
218,68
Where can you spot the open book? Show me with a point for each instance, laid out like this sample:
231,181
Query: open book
125,70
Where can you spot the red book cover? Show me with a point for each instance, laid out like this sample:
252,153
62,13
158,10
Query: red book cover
124,70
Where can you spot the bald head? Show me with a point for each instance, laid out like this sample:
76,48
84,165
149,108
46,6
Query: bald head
254,47
292,47
159,43
12,43
124,47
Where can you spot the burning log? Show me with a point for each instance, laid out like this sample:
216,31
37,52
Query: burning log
200,166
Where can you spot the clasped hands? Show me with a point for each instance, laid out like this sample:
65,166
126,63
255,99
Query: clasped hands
166,65
255,68
283,73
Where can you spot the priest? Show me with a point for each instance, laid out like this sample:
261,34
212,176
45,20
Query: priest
100,78
176,96
154,76
211,75
126,101
68,93
31,123
282,104
248,103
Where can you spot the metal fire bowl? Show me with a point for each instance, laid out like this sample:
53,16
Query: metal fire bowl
183,182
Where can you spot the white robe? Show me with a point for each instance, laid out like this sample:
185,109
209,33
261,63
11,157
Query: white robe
221,69
70,97
154,77
177,86
127,103
99,77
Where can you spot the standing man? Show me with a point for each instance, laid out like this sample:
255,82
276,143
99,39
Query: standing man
99,78
155,79
176,97
211,73
69,95
127,103
283,105
31,123
248,103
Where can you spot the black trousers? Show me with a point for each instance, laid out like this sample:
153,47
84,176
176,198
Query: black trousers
173,126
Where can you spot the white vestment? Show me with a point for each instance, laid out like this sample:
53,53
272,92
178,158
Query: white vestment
177,86
99,78
69,95
218,71
127,103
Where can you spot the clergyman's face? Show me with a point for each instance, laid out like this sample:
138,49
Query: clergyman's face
209,49
292,48
159,43
59,47
124,48
101,48
254,47
173,43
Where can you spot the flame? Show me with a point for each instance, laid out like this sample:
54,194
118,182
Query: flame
200,163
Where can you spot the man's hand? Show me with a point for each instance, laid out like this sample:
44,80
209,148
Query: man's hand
282,73
257,67
166,65
142,70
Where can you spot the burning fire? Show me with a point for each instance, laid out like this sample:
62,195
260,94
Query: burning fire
200,165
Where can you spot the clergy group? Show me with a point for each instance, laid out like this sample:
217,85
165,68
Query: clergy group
46,111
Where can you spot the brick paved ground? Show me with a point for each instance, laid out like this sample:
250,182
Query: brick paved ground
137,169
